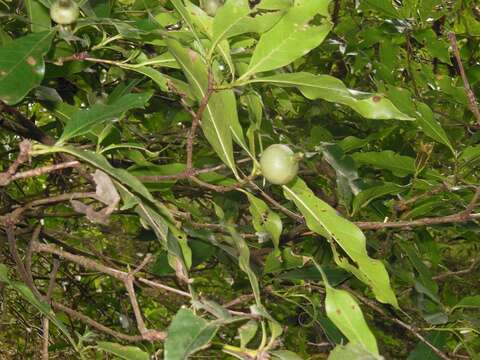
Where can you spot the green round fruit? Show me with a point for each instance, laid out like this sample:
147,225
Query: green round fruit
279,164
64,12
211,6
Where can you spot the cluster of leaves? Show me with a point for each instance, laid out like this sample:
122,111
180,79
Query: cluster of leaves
368,92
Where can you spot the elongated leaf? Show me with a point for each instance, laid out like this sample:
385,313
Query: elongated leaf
244,262
367,195
247,332
329,88
84,120
264,219
431,127
124,352
323,219
399,165
22,66
100,162
187,334
38,15
182,10
291,38
352,351
285,355
259,23
342,308
229,18
41,306
215,124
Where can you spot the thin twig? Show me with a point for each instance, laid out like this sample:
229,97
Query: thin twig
457,273
472,100
94,324
23,156
48,297
44,170
197,119
15,216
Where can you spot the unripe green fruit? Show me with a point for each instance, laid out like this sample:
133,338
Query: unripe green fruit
64,12
279,164
211,6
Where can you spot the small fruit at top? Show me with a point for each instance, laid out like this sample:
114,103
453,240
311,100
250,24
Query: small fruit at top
64,12
211,6
279,164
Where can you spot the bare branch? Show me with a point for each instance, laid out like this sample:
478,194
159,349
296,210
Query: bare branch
472,100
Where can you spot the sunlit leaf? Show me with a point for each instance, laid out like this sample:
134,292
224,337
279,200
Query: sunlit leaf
324,220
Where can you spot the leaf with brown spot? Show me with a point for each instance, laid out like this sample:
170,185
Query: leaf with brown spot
17,58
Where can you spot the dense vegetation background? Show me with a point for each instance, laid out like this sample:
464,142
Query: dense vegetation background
135,222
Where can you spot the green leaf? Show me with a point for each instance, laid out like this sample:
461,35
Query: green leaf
215,124
124,352
352,351
468,302
244,261
182,10
247,332
399,165
239,11
291,38
22,66
342,308
41,306
285,355
84,120
38,15
424,352
229,19
324,220
329,88
100,162
366,196
264,219
187,334
431,127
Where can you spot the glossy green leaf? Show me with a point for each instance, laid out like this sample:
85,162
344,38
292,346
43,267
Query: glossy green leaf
285,355
22,66
182,10
344,311
218,111
292,37
187,334
84,120
244,261
224,27
38,15
324,220
366,196
329,88
264,219
229,18
431,127
100,162
399,165
123,352
352,351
